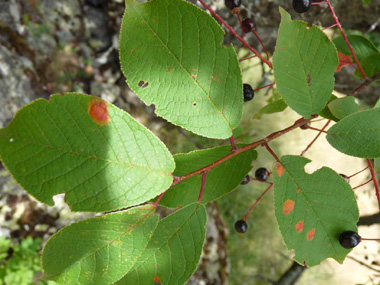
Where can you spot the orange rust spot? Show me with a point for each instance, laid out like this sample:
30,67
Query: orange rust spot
157,280
288,206
193,75
298,189
299,226
279,168
343,60
216,79
98,110
216,71
170,70
310,234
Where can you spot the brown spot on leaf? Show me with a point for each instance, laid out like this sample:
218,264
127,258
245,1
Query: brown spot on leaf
299,226
143,84
309,80
194,104
287,207
170,70
298,189
279,168
193,75
98,111
310,234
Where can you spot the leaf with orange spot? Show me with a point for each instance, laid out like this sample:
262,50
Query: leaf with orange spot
312,210
87,148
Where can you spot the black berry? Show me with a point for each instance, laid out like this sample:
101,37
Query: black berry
232,4
262,174
248,25
301,6
349,239
245,180
248,92
241,226
345,177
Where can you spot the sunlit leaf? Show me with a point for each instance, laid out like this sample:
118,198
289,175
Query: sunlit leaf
312,210
87,148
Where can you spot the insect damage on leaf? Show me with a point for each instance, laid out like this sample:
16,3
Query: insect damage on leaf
98,111
143,84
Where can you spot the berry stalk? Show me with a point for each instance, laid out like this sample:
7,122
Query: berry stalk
374,181
316,137
202,187
257,201
236,35
346,40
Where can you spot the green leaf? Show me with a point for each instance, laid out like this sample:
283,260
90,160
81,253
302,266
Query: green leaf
357,134
174,250
304,63
377,105
221,180
87,148
99,250
366,2
370,65
326,113
172,57
312,210
273,107
361,46
377,164
343,107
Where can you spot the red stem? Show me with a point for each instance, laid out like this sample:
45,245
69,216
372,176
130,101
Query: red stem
265,86
232,141
257,36
374,181
332,26
202,187
159,199
271,152
317,136
315,129
241,24
358,172
362,184
239,150
240,60
346,40
257,201
236,35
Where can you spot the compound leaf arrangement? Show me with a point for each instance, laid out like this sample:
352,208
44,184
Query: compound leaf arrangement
172,56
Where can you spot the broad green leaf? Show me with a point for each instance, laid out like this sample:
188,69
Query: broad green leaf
273,107
357,134
99,250
87,148
326,113
377,105
343,107
361,46
221,180
312,210
304,63
174,250
377,164
172,57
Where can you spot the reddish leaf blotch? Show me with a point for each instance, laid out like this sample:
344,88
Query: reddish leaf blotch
157,281
299,226
279,168
98,110
310,234
343,60
288,206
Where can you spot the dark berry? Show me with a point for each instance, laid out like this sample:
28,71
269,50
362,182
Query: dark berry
241,226
248,25
349,239
246,180
301,6
232,4
262,174
345,177
248,92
